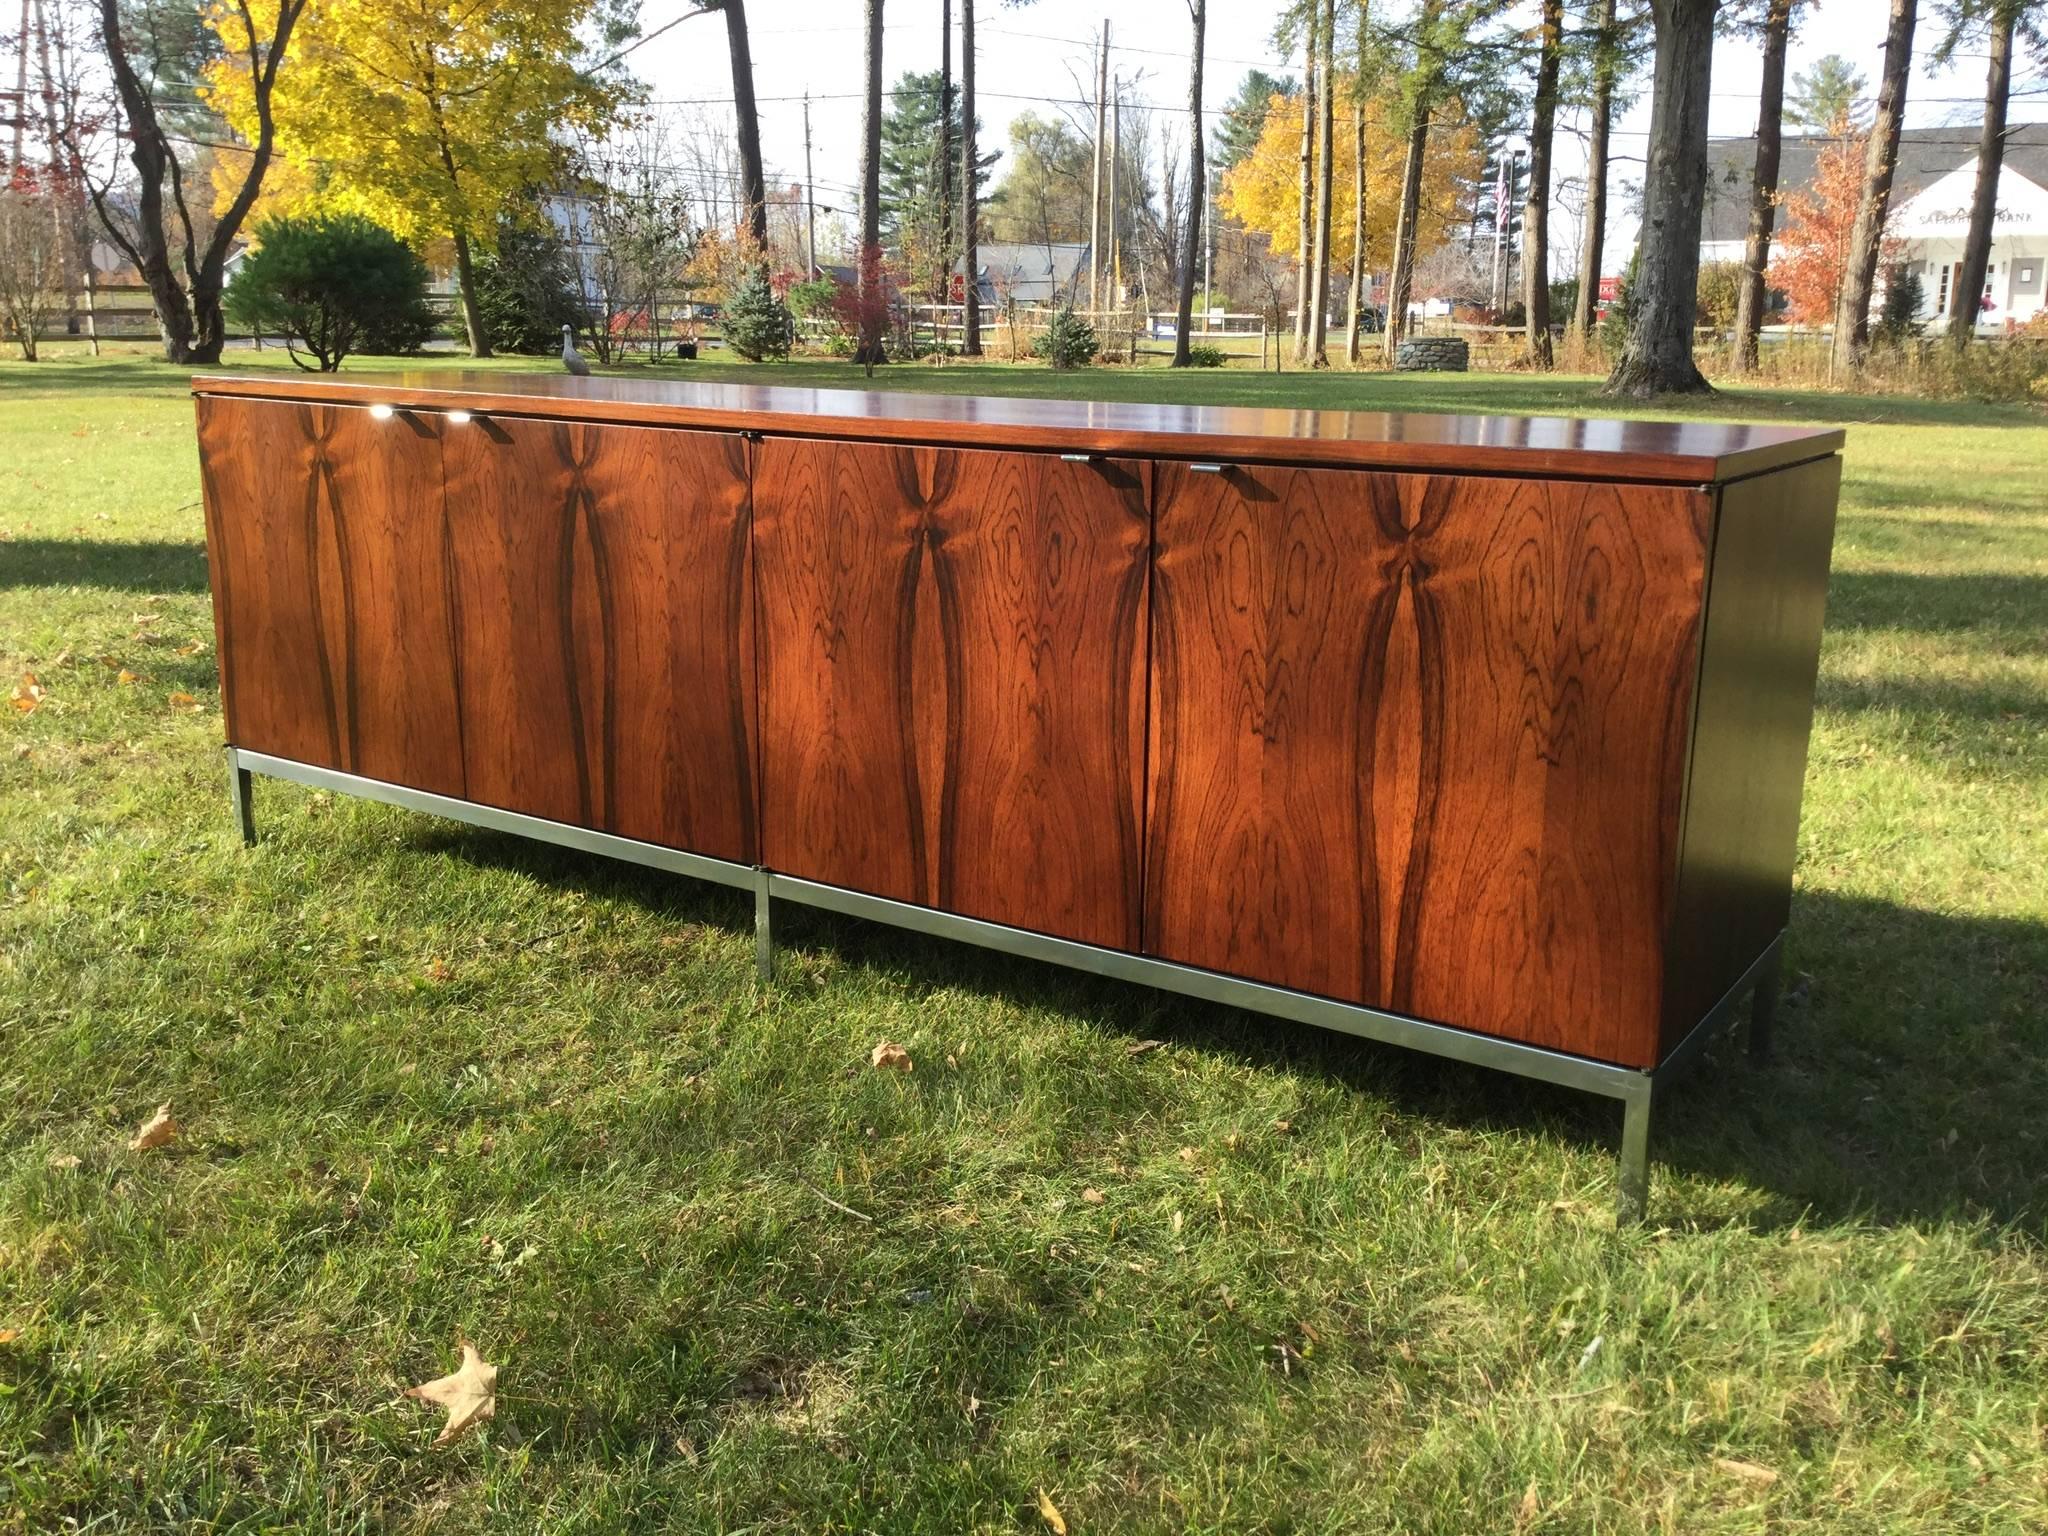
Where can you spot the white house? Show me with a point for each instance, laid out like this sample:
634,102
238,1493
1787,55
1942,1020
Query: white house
1932,224
1931,191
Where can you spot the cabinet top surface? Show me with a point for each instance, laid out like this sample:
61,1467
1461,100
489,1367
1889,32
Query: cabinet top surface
1694,452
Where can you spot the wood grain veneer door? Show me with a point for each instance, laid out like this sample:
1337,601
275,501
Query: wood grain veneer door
328,551
952,664
1418,742
603,615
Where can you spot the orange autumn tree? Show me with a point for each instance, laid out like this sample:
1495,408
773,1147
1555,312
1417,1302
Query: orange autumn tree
1812,251
1263,190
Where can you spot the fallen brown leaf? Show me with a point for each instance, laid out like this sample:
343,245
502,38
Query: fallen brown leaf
1091,1197
184,701
158,1130
470,1394
61,1160
1748,1471
1140,1047
1188,1154
127,679
28,693
1050,1513
191,647
890,1055
1531,1506
9,1335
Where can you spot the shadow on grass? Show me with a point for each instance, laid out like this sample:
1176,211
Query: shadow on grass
2006,605
2000,495
149,565
1907,1084
125,376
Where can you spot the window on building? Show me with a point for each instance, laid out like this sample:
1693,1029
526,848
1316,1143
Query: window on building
2026,274
1941,293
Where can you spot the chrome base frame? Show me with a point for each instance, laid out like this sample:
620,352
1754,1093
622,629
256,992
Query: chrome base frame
1635,1088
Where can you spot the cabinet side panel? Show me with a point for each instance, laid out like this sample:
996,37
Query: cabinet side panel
952,679
603,623
1760,659
1418,742
326,532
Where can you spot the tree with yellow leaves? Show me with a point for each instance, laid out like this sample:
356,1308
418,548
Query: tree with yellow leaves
435,120
1263,191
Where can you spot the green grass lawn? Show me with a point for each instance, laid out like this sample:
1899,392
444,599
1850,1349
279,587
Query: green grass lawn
441,1084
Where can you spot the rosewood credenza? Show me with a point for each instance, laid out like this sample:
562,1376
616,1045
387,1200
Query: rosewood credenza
1479,735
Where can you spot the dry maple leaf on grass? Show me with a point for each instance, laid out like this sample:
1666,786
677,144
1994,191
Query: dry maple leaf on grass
470,1394
28,693
892,1056
158,1130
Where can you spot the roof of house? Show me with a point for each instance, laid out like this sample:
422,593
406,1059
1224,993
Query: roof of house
1925,156
1031,274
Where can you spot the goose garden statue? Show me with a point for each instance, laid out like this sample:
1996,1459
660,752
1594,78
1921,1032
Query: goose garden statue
571,358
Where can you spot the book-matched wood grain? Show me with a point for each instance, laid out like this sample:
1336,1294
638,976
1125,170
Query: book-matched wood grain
543,616
1418,742
952,679
1766,597
603,586
328,550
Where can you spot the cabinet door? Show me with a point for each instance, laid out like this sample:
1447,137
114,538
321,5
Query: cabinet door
603,621
952,658
329,562
1418,742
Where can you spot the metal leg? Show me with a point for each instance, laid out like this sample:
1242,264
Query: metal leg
241,798
764,937
1632,1181
1763,1010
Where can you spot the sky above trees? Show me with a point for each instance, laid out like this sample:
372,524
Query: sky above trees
1043,50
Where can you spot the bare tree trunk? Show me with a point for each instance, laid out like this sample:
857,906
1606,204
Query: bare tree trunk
970,210
1967,301
188,313
1402,278
1352,328
465,288
1751,298
1880,159
1326,115
1198,191
1593,254
1306,178
1536,212
871,133
868,271
1658,358
753,180
944,190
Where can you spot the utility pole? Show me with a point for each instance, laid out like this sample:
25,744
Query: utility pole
1095,206
810,201
1116,112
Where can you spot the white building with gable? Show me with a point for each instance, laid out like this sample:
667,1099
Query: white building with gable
1932,224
